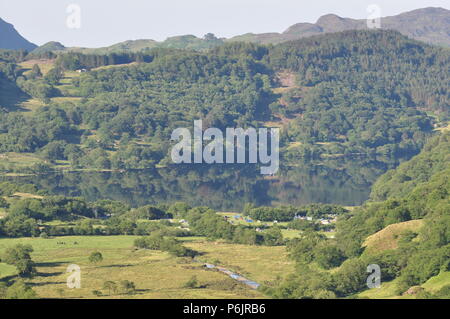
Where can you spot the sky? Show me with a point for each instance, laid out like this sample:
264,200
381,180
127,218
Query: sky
105,22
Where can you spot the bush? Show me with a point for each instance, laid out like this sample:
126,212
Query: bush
170,244
329,257
127,287
191,283
96,257
19,256
424,265
44,235
111,286
96,293
19,290
351,277
3,203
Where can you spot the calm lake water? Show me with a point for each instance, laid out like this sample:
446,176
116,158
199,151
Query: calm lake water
224,187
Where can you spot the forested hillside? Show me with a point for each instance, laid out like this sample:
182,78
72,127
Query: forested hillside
434,158
10,94
420,252
368,90
355,92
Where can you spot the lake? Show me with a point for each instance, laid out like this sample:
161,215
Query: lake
345,181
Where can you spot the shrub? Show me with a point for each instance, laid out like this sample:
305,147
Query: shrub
96,257
191,283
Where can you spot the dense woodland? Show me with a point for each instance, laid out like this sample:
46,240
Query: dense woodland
388,104
366,89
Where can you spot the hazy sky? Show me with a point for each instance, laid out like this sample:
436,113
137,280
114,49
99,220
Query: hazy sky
105,22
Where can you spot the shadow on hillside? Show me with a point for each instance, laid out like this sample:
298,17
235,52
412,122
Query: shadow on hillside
50,264
116,266
37,284
12,97
49,274
8,278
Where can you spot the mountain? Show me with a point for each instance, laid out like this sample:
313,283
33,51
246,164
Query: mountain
431,25
11,39
177,42
126,46
49,47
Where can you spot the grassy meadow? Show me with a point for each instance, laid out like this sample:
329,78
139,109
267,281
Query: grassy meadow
156,274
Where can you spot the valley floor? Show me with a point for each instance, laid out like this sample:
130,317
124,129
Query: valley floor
156,274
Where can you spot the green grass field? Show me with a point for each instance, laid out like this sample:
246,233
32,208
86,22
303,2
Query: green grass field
156,274
259,263
7,270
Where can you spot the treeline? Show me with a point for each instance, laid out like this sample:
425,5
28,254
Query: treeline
76,61
19,86
12,56
287,213
204,221
9,188
27,217
426,199
169,244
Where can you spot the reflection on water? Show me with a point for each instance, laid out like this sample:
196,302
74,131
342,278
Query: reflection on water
225,187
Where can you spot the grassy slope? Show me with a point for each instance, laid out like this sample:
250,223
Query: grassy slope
68,91
387,237
44,65
437,282
388,290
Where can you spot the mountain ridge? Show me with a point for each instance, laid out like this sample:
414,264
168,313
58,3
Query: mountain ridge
11,39
430,25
